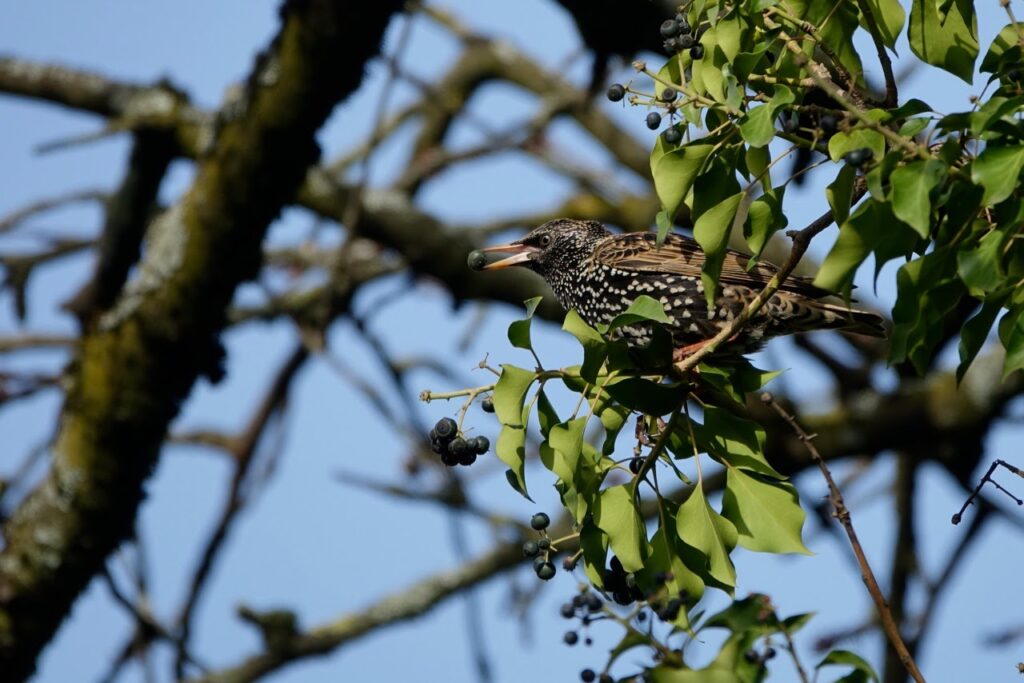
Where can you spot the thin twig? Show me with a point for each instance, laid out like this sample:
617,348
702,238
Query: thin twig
889,625
988,478
891,95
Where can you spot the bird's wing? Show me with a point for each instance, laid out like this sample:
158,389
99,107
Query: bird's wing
680,255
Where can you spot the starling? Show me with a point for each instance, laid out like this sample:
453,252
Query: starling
599,274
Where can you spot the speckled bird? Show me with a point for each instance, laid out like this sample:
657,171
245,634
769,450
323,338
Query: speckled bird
599,274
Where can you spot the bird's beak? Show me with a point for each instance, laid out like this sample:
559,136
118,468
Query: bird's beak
521,253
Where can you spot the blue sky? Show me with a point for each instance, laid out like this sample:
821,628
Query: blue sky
324,548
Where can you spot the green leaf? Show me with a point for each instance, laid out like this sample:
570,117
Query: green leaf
666,558
674,169
613,419
889,16
712,231
974,333
858,138
997,169
519,331
912,186
510,394
667,674
617,516
645,396
1005,41
949,42
509,398
734,440
708,532
872,227
758,125
595,348
766,513
643,309
981,268
765,218
840,193
567,441
594,545
847,658
754,612
1011,334
546,414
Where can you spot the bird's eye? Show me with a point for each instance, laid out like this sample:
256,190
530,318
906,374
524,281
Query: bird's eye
545,240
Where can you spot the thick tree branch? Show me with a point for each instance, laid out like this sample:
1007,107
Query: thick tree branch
139,364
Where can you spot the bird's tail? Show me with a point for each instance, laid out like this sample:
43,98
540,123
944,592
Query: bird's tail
846,319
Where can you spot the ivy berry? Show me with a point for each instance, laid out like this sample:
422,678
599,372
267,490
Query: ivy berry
616,92
653,120
540,521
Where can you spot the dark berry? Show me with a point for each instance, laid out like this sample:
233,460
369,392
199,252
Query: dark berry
616,92
857,157
588,676
770,653
684,25
544,543
540,521
616,565
653,120
636,463
458,446
531,548
670,46
669,28
449,458
622,597
467,457
668,95
588,641
671,610
594,603
579,600
567,610
685,42
697,51
661,577
571,638
752,656
641,617
476,260
546,571
438,447
481,445
790,121
538,561
487,405
445,428
828,124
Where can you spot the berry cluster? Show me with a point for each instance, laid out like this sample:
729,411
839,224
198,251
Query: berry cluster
540,550
679,36
755,657
455,449
585,606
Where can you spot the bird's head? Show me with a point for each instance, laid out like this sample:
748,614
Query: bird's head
553,248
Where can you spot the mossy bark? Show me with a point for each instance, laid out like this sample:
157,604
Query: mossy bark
137,365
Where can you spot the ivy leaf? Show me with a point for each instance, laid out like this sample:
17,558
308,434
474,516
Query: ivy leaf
758,125
643,309
567,441
1011,334
997,169
594,545
862,671
766,513
509,398
712,535
733,440
666,558
595,348
674,169
974,333
981,268
617,516
712,231
912,186
510,394
1004,42
840,193
858,138
667,674
613,419
949,42
765,218
889,15
519,331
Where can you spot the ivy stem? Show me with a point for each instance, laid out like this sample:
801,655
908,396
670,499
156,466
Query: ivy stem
842,513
